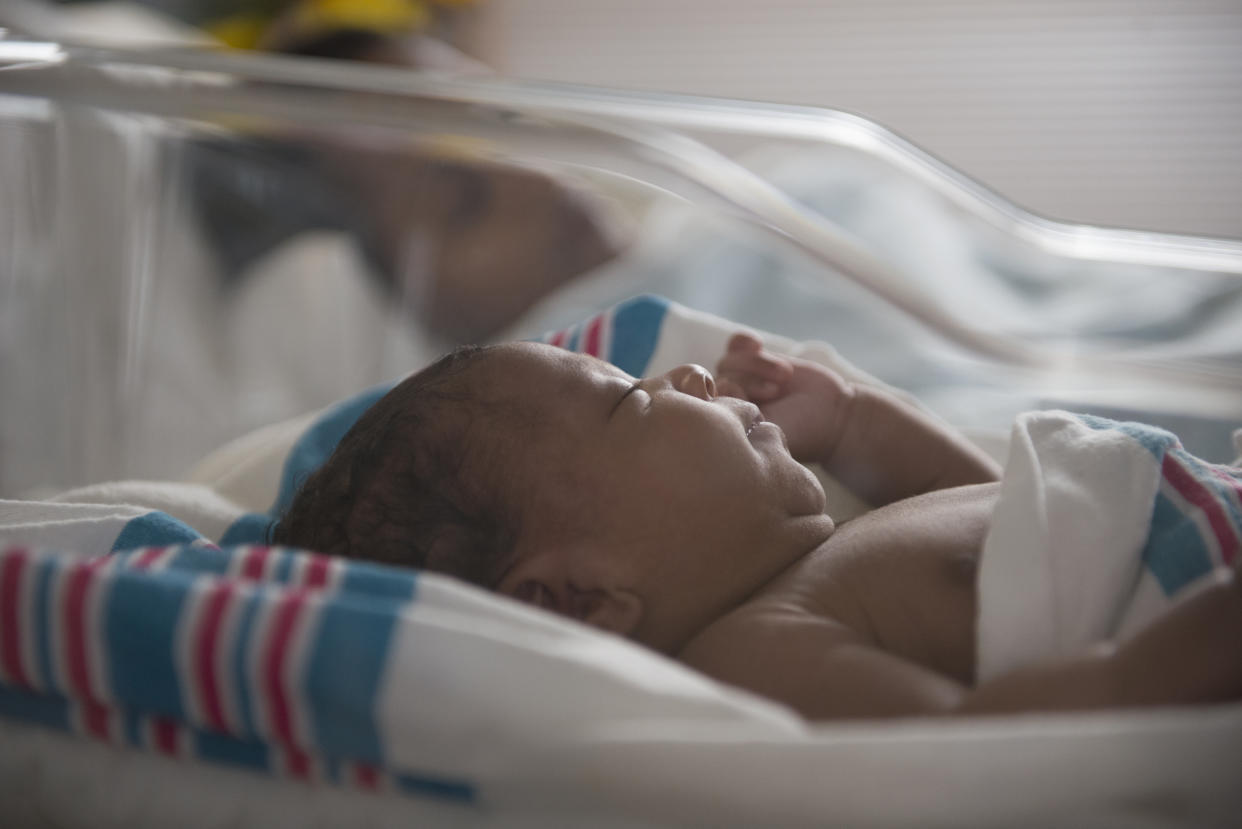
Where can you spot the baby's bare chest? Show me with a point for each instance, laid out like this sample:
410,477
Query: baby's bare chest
903,576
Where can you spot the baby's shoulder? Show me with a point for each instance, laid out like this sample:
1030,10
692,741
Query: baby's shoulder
767,644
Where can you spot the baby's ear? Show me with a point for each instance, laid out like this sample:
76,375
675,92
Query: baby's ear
537,593
612,609
539,580
557,581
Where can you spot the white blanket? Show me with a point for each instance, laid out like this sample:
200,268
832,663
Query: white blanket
1101,527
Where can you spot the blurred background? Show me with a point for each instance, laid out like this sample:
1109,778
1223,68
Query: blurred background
279,247
1112,112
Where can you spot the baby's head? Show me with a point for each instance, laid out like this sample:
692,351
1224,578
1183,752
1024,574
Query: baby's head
411,483
646,507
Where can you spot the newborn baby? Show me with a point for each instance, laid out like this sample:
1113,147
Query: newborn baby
673,510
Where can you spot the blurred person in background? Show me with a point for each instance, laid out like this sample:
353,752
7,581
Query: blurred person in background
464,242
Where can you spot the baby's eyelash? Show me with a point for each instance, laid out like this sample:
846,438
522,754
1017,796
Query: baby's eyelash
633,388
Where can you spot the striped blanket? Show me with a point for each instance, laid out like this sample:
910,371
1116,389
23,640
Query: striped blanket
156,616
1100,528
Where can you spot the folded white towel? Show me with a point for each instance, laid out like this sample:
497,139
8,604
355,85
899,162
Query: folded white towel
1101,526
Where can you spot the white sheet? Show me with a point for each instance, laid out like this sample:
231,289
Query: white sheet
1158,768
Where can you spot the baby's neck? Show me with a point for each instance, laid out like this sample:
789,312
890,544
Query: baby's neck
796,538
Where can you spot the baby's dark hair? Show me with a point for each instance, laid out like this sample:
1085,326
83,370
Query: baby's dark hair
418,481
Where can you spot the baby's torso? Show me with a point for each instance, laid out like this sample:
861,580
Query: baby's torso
903,576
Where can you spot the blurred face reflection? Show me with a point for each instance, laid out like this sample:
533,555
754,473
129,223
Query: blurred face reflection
470,245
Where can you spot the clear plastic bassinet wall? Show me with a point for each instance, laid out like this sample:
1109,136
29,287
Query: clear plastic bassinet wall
193,245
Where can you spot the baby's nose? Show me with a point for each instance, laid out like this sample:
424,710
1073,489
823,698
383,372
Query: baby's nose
696,380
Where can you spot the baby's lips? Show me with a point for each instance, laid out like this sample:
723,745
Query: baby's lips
752,417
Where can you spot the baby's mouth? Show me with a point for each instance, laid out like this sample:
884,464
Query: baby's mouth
758,419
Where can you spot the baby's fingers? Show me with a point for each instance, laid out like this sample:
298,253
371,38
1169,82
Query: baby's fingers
748,371
748,387
744,342
745,357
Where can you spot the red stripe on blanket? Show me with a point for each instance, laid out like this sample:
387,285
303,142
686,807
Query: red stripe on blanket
316,572
366,777
1232,479
298,763
1197,493
594,336
255,562
591,340
164,731
95,718
558,339
76,634
10,617
146,558
279,642
210,622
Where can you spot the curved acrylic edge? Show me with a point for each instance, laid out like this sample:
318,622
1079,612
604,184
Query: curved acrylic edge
646,135
683,113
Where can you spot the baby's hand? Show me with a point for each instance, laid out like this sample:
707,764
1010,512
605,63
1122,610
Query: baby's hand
808,401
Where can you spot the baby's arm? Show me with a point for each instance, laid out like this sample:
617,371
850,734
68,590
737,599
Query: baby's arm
879,446
825,670
1191,655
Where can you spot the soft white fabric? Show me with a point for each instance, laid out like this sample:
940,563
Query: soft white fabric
1169,768
1063,564
81,527
247,470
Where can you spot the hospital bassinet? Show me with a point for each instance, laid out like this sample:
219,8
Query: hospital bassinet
188,253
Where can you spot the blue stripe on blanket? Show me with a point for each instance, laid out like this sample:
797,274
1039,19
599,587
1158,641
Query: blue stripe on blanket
380,581
239,654
1175,553
47,710
282,572
191,559
1152,438
251,528
317,443
635,332
155,529
345,666
220,748
140,625
1196,516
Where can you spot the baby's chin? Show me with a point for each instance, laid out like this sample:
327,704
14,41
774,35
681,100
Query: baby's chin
811,498
816,528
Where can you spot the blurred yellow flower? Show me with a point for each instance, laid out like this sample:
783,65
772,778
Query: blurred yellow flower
373,15
239,31
246,30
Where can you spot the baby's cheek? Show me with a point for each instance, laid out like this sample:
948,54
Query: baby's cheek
804,494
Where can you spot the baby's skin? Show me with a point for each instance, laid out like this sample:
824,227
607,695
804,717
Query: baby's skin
695,531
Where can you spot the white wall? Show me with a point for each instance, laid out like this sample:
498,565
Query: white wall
1119,112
